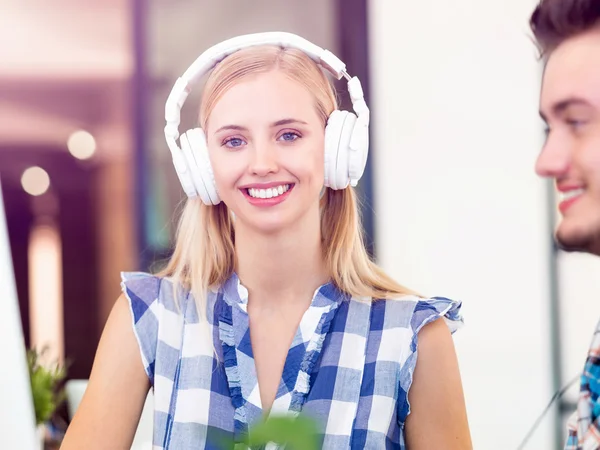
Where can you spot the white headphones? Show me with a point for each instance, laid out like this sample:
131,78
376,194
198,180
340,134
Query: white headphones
346,134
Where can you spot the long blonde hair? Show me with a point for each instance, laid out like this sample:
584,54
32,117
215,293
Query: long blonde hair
204,255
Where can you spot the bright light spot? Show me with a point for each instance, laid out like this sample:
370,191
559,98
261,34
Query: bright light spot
81,144
35,181
45,290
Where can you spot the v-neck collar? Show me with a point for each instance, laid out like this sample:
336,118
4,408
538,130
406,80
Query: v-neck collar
240,368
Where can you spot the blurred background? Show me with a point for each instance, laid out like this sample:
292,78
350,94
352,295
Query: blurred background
452,206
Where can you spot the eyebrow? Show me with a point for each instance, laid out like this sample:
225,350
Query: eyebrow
561,106
273,125
288,122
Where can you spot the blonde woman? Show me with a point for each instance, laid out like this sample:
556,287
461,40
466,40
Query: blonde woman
270,303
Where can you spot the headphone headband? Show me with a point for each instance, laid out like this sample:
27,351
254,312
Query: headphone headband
218,52
215,54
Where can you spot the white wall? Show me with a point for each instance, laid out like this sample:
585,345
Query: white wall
459,209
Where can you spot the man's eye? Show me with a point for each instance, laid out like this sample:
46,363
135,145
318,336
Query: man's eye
575,123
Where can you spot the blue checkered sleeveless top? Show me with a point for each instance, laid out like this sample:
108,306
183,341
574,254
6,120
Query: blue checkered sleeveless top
350,365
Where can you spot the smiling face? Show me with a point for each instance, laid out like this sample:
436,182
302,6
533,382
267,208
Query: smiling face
570,104
266,141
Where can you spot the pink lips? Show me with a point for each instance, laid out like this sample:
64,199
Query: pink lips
572,199
566,204
266,202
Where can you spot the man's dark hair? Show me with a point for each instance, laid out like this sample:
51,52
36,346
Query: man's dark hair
555,21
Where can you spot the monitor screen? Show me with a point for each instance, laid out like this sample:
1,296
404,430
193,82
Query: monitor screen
17,417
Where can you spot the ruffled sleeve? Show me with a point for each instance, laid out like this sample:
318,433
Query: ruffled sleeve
142,292
425,312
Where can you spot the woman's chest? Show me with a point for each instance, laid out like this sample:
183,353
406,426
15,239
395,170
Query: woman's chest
342,370
352,400
272,336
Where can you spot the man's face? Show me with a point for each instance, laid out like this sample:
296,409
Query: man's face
570,105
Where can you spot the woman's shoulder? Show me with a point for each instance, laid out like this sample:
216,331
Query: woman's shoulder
155,316
413,312
145,290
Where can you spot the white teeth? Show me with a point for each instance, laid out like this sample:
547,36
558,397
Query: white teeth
571,194
268,193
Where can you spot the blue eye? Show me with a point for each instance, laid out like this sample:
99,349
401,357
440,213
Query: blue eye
289,136
233,142
575,124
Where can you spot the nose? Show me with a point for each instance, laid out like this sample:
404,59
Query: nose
555,159
264,160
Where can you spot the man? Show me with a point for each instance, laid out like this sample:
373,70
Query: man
568,34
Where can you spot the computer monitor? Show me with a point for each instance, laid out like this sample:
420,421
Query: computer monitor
17,417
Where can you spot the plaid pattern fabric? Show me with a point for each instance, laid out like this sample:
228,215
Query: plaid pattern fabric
584,425
350,365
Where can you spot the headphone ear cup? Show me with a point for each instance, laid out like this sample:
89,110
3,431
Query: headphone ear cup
359,151
332,137
182,163
183,172
337,148
186,141
201,169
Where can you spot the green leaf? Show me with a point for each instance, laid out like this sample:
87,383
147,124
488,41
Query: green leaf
45,382
298,433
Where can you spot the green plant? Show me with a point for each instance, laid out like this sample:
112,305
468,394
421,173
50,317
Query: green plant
45,385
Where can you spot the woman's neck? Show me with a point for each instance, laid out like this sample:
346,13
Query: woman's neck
278,269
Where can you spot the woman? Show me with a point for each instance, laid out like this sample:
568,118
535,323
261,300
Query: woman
272,249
